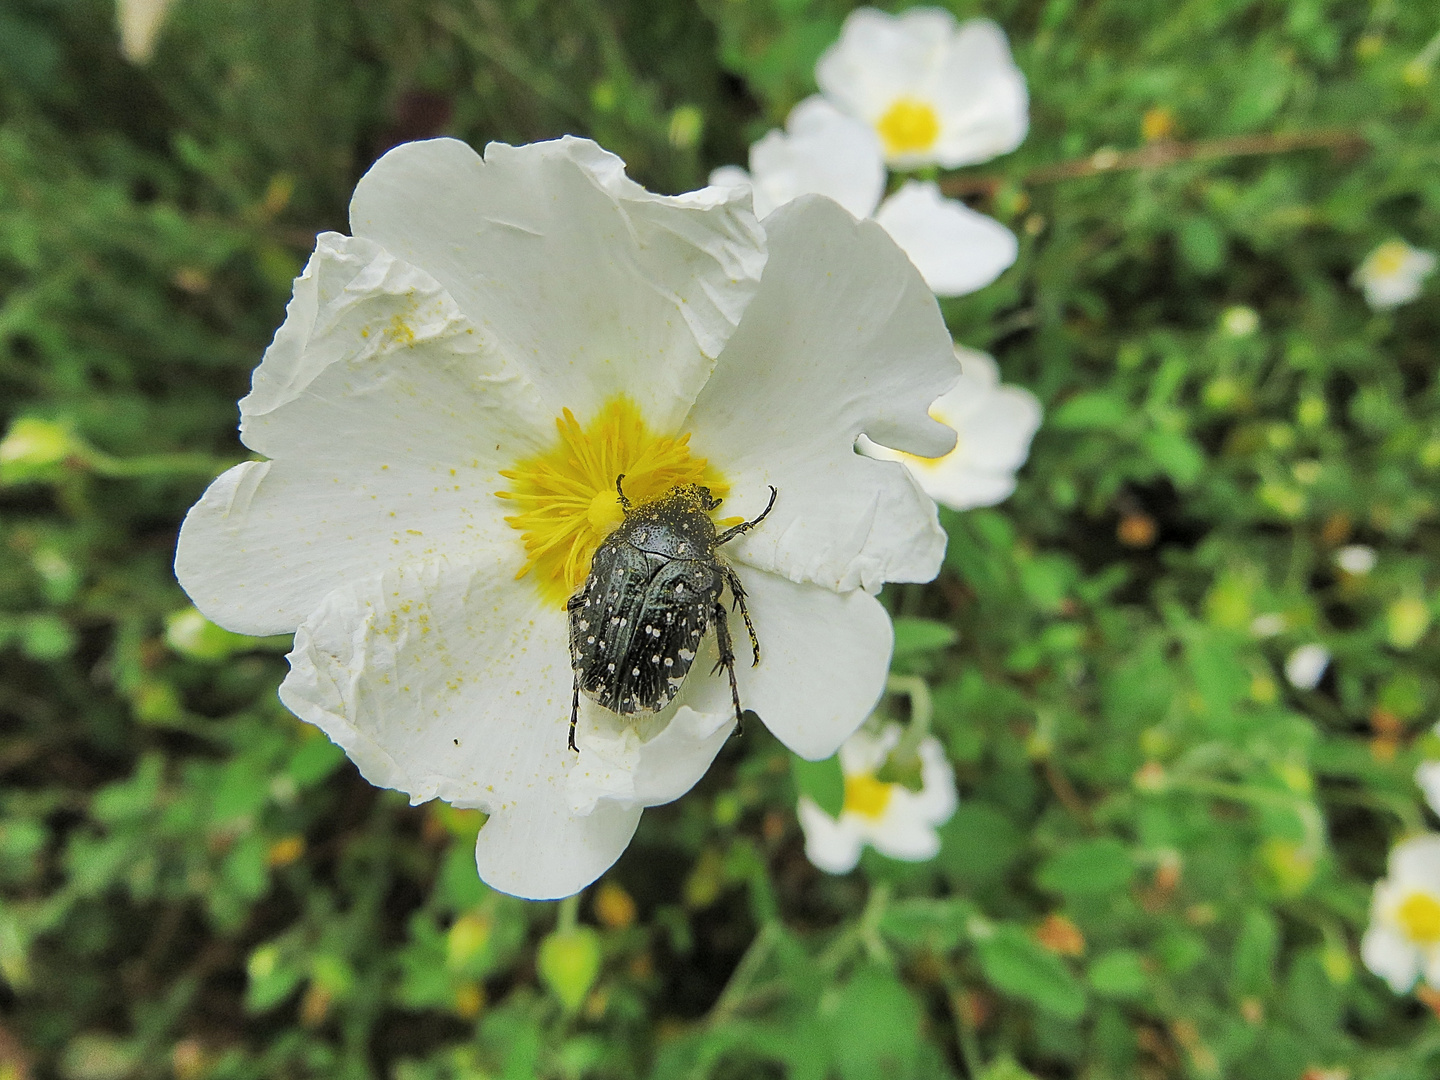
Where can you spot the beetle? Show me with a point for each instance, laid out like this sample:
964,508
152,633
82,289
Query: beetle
654,587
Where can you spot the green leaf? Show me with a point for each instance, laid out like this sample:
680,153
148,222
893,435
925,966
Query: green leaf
569,961
822,781
1179,457
1097,410
873,1027
1119,973
1255,952
979,843
1016,965
1202,245
922,635
1089,868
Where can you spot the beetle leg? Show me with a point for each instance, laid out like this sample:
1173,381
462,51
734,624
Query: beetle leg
727,661
745,526
624,502
574,712
737,591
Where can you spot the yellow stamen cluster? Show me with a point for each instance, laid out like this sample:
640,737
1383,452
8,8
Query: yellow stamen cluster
566,496
908,127
1419,916
1388,259
866,796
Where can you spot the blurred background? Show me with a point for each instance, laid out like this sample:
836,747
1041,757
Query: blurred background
1162,861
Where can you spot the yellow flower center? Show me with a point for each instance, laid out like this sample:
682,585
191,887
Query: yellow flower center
1388,259
566,496
866,796
1419,917
908,127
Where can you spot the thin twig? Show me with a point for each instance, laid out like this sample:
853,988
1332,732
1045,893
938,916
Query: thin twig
1159,154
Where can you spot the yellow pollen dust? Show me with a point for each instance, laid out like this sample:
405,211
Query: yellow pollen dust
1388,259
1419,916
566,496
866,796
908,127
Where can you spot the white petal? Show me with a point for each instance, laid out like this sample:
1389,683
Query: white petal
1305,666
902,833
980,95
1391,957
843,338
821,152
956,249
1427,775
1415,864
450,679
617,765
864,753
881,57
596,286
140,22
830,845
823,661
936,800
387,414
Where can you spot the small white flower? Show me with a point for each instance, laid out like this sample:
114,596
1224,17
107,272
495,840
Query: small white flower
1427,776
993,423
1391,275
935,91
1268,624
1239,321
888,816
1306,665
824,152
140,22
444,413
1357,559
1402,942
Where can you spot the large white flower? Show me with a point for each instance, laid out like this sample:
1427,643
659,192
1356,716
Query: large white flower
887,815
1403,939
934,91
444,413
824,152
1392,274
994,425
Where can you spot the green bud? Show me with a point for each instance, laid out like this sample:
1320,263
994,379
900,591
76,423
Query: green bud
1406,621
569,961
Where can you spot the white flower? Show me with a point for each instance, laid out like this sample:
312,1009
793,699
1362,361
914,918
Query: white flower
1268,624
1427,776
140,22
888,816
1306,665
1403,939
993,424
1239,321
1391,275
934,91
824,152
444,413
1357,559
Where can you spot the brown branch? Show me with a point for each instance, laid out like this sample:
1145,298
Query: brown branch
1157,155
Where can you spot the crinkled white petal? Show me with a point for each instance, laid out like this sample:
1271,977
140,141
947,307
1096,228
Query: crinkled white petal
824,657
822,151
822,356
1427,775
386,413
957,250
833,846
994,425
964,72
1390,956
594,285
866,751
449,679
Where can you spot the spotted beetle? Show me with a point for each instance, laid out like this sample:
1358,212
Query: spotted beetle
654,586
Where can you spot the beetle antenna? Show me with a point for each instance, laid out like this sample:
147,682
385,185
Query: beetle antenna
624,502
746,526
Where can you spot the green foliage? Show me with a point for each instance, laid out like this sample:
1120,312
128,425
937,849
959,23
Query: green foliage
1161,862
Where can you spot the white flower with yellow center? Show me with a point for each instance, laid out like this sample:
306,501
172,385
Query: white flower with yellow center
935,91
824,152
1392,274
444,414
993,424
885,814
1402,942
